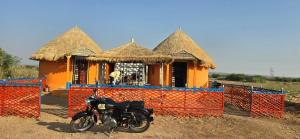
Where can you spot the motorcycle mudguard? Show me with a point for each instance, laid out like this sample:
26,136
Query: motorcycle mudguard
80,114
143,110
84,113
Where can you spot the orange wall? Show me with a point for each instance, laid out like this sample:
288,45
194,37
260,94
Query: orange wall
200,73
92,72
167,74
55,73
153,74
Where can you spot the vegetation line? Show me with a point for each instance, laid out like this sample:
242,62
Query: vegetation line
10,67
251,78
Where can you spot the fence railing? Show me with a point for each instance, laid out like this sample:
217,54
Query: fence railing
195,102
20,98
25,81
257,101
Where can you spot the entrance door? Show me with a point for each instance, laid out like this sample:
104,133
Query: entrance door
80,72
101,71
180,73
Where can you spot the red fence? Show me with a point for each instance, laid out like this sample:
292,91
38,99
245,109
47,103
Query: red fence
20,100
238,96
259,103
267,105
164,102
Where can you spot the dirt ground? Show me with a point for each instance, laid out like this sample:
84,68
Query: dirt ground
53,124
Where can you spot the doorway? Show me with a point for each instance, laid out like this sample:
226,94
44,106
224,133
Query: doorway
80,71
102,72
179,74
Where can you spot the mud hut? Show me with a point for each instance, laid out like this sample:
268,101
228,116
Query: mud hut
190,66
129,58
64,59
74,57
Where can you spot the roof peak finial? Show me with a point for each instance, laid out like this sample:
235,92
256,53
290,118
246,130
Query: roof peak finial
132,40
179,28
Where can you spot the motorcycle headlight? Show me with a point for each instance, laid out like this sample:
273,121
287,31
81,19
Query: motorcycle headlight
88,101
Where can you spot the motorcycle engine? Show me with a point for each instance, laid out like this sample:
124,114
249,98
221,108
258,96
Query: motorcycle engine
109,121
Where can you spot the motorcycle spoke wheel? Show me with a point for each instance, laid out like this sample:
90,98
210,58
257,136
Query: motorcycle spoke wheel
140,124
82,123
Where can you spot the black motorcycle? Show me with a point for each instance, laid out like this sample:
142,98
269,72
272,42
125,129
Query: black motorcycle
131,115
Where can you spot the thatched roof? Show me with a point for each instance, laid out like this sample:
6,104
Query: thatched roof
180,46
72,42
131,52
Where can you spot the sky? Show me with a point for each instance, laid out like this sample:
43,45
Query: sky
241,36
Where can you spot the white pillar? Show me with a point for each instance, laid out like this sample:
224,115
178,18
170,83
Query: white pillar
146,77
144,74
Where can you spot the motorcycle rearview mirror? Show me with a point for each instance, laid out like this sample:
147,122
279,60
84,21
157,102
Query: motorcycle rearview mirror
95,90
96,83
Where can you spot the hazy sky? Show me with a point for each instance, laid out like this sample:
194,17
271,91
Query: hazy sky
241,36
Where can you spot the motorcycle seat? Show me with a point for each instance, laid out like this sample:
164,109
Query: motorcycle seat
127,104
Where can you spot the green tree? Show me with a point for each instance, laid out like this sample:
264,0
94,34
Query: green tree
7,61
216,75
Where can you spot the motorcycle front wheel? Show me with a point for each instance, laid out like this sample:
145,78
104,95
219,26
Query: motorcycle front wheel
82,123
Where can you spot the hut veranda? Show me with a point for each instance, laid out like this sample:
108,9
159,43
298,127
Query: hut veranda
75,57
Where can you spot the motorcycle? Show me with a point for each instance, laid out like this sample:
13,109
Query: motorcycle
131,115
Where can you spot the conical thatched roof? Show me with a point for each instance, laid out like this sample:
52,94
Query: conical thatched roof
131,52
180,46
72,42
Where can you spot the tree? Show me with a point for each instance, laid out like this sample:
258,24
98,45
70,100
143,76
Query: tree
7,61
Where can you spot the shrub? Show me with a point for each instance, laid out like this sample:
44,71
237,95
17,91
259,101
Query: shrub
216,75
235,77
245,78
257,79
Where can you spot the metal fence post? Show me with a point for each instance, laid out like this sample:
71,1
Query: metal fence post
282,101
184,103
41,90
223,101
161,101
68,85
1,100
252,88
69,99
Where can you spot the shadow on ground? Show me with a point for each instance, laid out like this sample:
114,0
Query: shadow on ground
54,105
66,128
57,126
292,107
234,110
61,112
49,99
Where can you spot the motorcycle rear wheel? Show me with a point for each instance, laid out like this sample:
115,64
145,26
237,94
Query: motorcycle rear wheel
141,124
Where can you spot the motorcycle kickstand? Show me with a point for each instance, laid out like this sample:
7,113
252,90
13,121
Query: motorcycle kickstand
110,131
